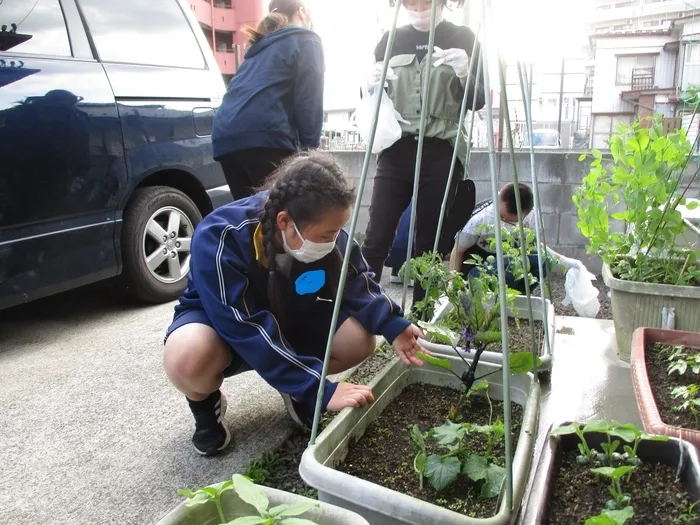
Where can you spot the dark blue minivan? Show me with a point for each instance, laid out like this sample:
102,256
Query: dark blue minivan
106,168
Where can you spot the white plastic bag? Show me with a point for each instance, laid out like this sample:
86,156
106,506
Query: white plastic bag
580,293
388,127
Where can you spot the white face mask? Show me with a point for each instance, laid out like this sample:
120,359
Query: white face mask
421,19
309,251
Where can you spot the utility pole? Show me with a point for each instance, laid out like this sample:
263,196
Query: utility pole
561,94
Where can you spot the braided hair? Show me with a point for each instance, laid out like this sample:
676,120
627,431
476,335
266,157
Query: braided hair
306,185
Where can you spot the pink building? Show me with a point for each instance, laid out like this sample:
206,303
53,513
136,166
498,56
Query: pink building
222,22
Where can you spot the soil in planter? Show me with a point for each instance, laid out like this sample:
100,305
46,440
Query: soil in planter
520,337
662,384
384,454
656,496
279,469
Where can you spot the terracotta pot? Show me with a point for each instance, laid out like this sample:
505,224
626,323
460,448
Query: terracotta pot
651,418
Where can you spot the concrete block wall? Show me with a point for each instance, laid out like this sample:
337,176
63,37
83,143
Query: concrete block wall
558,175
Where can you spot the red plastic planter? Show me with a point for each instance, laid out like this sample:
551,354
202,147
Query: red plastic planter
651,418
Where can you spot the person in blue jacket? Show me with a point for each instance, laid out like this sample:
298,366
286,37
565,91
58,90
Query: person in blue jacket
273,106
262,284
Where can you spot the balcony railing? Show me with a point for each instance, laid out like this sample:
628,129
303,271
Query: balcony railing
642,78
588,87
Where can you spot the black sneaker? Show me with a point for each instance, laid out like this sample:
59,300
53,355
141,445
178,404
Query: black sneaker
210,436
301,414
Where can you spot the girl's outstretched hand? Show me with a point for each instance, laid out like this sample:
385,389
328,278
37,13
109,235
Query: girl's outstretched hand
406,345
349,395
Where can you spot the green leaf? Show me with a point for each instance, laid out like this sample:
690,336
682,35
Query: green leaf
480,386
619,517
449,433
186,493
582,157
435,361
649,437
292,510
564,431
626,432
440,334
620,216
692,205
417,437
250,493
601,519
494,480
297,521
247,520
441,472
211,491
488,338
597,425
614,473
419,463
199,499
476,467
523,362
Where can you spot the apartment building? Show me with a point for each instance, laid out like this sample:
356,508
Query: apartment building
222,22
637,15
646,57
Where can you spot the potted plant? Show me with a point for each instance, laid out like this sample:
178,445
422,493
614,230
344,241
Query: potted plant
426,451
239,501
465,313
643,186
666,378
611,474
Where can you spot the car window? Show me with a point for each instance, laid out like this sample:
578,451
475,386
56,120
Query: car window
149,32
35,26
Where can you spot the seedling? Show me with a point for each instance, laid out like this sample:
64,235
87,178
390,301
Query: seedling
631,434
205,495
421,459
690,515
691,399
680,361
619,499
249,493
612,517
281,514
587,455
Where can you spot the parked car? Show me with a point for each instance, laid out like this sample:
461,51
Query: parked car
106,168
543,138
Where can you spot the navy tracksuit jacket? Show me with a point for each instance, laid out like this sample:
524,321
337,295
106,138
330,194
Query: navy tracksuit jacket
228,280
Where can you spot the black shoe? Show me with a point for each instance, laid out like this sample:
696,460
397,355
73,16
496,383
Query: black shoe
301,414
210,435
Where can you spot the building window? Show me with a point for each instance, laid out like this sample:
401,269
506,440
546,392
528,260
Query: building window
623,4
627,64
691,65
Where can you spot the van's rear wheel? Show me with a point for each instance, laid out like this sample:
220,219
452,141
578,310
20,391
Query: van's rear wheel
156,240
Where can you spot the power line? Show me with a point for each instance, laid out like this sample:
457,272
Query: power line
29,13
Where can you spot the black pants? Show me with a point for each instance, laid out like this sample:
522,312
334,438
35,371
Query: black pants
247,170
393,188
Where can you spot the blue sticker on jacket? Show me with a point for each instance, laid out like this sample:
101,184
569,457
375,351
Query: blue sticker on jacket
310,282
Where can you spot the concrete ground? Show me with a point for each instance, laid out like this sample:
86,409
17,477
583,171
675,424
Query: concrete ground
588,381
91,431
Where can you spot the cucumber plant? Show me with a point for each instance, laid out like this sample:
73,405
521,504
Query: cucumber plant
453,457
249,493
